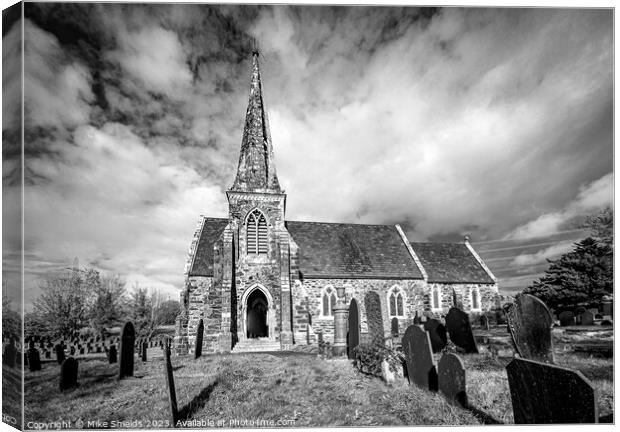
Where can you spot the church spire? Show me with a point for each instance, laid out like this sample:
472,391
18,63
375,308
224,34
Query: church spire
256,171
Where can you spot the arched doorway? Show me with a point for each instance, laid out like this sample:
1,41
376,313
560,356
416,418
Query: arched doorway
353,335
257,307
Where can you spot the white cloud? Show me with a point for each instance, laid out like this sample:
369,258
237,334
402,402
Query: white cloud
592,197
542,256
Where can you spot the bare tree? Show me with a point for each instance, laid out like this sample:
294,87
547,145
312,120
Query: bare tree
146,310
107,308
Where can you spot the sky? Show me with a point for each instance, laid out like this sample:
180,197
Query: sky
491,123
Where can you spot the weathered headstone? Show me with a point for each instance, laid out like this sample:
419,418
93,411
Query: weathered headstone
374,318
60,353
459,329
484,322
68,373
112,354
144,349
529,323
128,337
452,381
542,394
437,333
421,368
199,335
10,351
567,318
172,396
587,318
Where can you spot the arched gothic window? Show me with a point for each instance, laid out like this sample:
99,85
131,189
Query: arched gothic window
256,233
396,302
328,301
475,298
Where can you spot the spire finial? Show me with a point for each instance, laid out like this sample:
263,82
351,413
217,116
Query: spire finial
254,47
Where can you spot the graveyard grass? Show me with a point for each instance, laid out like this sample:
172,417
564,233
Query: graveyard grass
279,387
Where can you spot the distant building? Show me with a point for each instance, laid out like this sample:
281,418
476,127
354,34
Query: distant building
256,276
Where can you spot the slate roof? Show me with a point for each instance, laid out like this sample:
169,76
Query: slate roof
356,251
212,228
450,263
332,250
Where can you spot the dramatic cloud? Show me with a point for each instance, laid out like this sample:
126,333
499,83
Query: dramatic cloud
495,123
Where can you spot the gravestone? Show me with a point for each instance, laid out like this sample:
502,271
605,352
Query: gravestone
112,354
172,397
353,335
542,394
484,322
416,319
199,334
374,318
72,350
421,368
48,354
82,350
437,333
567,318
98,349
68,374
60,353
529,323
394,327
587,318
452,381
457,323
41,344
128,337
144,349
10,351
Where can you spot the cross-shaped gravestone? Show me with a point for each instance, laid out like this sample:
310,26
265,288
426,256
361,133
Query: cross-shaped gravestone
128,337
452,381
68,373
529,323
542,393
437,333
459,328
421,368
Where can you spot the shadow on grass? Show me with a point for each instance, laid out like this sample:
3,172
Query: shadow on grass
197,403
176,368
482,416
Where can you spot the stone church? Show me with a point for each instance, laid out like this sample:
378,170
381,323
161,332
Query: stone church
258,280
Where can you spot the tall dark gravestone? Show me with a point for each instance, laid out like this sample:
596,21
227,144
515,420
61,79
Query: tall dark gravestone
112,354
452,380
10,351
60,353
374,318
543,394
172,396
353,335
459,329
144,347
34,360
199,335
421,368
437,333
128,337
484,322
68,374
529,323
394,327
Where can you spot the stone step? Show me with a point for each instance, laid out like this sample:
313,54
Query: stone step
256,345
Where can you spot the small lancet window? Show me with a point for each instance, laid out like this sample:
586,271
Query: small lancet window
396,302
328,300
256,233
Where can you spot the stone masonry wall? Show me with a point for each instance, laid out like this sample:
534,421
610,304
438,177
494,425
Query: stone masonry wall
487,297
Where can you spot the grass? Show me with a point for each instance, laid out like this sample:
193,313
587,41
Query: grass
12,395
280,389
